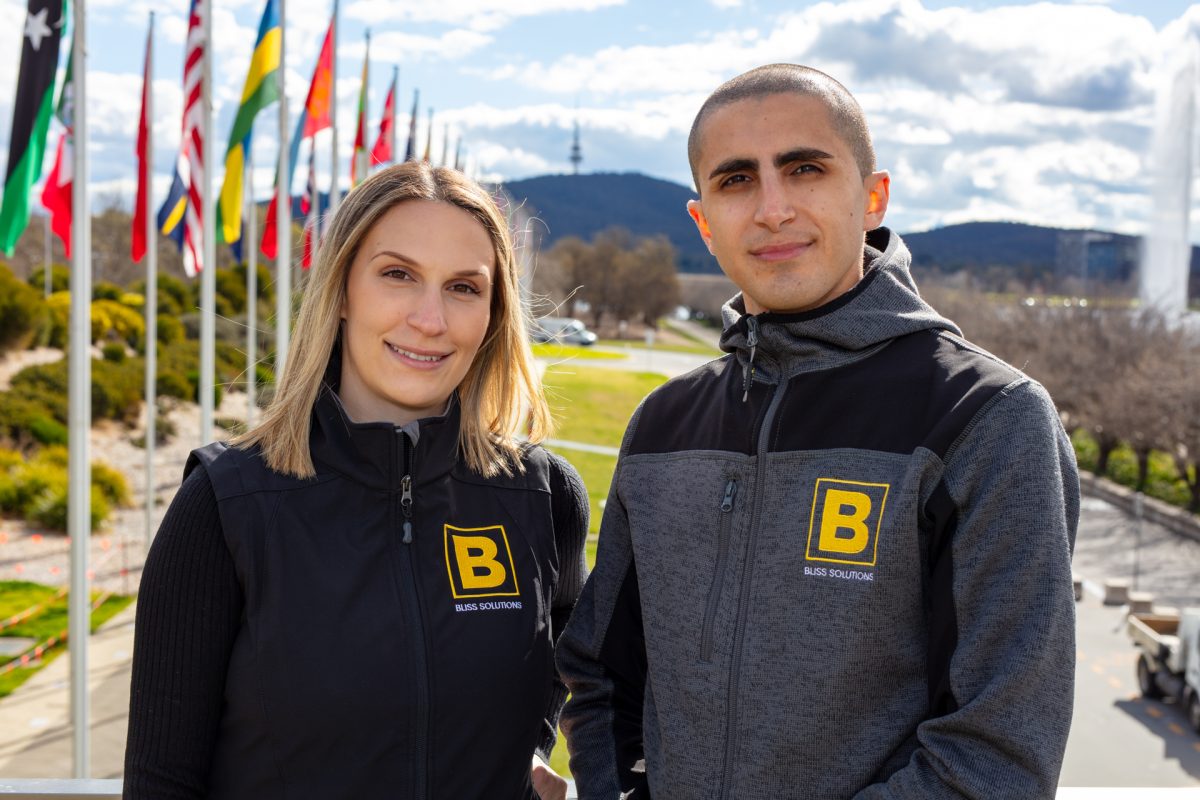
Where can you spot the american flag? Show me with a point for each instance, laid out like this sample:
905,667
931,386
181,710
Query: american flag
191,155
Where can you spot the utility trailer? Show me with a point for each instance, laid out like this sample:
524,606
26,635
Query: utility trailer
1169,662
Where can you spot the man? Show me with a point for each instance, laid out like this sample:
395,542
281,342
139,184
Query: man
836,562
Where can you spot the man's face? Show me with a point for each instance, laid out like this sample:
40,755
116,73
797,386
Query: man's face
782,204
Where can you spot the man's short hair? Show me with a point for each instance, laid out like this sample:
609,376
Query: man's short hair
845,114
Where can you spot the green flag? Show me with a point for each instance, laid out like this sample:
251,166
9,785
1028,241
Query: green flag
34,104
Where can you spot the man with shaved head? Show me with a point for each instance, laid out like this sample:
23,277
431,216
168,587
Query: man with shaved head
834,563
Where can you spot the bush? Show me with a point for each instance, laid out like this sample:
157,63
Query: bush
174,384
114,352
103,290
174,296
23,312
170,329
112,320
48,431
112,484
231,286
58,319
60,278
24,419
117,389
10,459
49,508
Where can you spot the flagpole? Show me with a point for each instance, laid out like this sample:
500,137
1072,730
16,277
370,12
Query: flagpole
395,105
335,198
208,272
151,291
283,215
251,295
79,408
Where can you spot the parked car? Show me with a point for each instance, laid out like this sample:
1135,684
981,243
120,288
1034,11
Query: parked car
563,330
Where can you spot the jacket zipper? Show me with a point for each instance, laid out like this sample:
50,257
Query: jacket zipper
744,600
748,370
714,593
421,733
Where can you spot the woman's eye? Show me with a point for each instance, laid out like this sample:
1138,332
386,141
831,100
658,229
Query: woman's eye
397,274
464,288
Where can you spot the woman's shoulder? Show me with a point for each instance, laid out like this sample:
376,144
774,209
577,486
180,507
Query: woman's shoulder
235,469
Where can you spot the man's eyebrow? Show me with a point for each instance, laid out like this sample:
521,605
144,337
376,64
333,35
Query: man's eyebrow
801,154
734,165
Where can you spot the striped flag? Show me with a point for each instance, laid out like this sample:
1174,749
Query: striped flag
310,207
384,149
181,214
410,152
358,161
44,22
260,91
315,116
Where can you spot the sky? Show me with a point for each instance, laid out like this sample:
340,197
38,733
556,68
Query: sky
1033,112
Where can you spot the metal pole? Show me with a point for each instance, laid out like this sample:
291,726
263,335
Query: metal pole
208,275
151,293
283,194
1138,500
335,198
46,254
80,408
251,296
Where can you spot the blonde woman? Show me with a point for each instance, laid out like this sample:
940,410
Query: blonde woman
360,597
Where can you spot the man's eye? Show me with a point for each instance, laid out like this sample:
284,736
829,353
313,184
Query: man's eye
807,168
733,179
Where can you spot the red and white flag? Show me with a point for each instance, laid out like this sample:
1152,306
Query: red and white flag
191,157
142,207
385,146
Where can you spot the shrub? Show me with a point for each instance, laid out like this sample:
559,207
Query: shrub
174,296
174,384
113,320
60,278
48,431
58,319
23,312
114,352
170,329
117,389
103,290
10,459
231,286
49,508
112,484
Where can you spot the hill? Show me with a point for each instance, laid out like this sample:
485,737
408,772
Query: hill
583,205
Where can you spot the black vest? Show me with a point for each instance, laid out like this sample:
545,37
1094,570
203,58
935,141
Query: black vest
378,659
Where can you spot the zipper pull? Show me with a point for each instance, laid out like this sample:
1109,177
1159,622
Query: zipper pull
406,507
730,491
752,340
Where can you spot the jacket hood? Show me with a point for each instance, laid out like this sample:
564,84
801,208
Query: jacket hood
883,305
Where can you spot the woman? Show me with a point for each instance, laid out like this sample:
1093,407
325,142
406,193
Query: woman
360,598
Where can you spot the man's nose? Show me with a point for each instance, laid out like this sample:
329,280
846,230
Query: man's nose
774,204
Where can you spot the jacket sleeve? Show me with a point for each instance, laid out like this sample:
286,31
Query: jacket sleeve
1003,657
602,658
570,512
189,609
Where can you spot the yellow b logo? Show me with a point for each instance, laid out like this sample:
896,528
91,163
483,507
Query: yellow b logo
846,516
479,562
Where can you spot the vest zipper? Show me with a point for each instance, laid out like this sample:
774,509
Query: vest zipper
714,593
421,730
748,370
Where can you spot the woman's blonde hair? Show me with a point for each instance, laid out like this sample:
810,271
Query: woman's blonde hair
500,396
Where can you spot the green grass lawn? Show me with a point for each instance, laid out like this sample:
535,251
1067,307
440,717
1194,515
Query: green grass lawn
593,406
16,596
697,348
554,351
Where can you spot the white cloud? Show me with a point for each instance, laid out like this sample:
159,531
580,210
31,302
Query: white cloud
726,3
479,15
395,47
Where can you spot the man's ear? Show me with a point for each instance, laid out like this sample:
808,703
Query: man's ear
696,212
878,186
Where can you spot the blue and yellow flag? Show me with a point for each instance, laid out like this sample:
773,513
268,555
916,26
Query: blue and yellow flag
260,91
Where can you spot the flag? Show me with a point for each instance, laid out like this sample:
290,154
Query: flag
309,206
446,146
315,116
410,152
358,161
180,217
142,206
260,91
428,138
383,151
56,192
34,103
458,154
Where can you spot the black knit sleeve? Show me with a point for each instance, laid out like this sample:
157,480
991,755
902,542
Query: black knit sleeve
189,609
569,506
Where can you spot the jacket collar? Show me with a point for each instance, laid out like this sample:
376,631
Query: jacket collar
883,305
379,454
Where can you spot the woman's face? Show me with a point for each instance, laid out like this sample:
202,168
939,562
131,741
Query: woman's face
418,300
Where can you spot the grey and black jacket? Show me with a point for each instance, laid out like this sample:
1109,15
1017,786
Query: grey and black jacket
833,563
